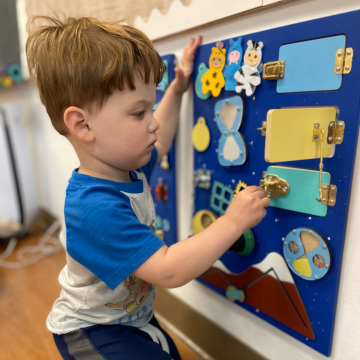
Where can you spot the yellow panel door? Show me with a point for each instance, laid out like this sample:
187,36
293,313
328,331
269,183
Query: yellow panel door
289,133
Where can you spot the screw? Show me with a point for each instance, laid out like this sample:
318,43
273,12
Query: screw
268,194
287,260
232,131
348,52
339,54
324,246
316,126
340,124
324,187
338,139
299,274
331,125
285,188
347,68
333,188
323,200
279,186
331,201
315,137
221,155
217,113
226,100
237,108
327,266
230,162
337,69
294,231
315,277
310,232
330,139
281,75
284,242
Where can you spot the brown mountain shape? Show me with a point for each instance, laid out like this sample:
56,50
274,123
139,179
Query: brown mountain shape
268,296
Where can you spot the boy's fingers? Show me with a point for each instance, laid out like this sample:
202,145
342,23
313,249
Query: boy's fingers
179,73
265,201
253,188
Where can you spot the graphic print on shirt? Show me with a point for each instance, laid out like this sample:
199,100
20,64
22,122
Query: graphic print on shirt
139,290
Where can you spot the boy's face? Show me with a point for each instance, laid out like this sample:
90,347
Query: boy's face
124,128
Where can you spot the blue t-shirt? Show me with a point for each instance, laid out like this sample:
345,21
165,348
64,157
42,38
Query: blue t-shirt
109,233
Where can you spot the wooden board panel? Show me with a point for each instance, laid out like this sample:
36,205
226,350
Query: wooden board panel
289,134
309,65
304,190
319,297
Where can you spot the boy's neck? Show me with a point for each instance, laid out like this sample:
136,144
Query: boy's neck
111,174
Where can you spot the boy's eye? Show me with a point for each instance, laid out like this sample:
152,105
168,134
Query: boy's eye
139,114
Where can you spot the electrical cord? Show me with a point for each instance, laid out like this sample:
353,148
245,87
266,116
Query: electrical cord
28,255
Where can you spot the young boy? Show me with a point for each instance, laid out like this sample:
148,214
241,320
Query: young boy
97,81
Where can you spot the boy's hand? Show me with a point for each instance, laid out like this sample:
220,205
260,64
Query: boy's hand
183,75
247,208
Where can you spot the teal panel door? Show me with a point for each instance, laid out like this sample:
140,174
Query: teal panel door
309,65
304,190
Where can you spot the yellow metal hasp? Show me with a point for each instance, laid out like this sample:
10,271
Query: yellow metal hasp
273,186
327,193
263,128
274,70
336,132
343,61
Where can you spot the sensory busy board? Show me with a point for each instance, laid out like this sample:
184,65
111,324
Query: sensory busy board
163,181
280,109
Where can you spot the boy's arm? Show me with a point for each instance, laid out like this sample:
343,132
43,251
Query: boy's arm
167,113
175,266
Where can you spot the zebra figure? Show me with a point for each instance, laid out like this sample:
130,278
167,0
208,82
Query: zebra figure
248,76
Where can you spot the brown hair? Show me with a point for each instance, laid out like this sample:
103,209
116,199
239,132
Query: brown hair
81,62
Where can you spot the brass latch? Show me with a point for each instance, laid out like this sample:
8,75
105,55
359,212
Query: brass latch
263,128
274,70
274,186
343,61
327,193
336,132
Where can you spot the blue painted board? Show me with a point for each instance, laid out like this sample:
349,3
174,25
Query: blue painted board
304,190
309,65
319,297
166,210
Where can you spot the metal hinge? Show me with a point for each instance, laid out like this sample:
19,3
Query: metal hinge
274,186
343,61
274,70
336,132
328,194
202,178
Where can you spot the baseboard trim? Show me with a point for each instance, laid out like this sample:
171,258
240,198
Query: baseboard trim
202,335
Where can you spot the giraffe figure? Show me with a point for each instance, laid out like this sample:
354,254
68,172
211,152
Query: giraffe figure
213,80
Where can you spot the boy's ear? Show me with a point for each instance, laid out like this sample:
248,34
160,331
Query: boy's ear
77,122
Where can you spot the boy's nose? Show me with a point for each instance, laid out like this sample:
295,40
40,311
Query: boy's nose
154,126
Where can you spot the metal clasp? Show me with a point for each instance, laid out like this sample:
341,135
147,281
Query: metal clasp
327,193
274,186
274,70
263,128
202,178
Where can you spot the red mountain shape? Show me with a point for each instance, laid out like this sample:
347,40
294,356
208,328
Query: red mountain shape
278,299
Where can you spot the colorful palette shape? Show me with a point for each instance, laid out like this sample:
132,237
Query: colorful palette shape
268,287
307,253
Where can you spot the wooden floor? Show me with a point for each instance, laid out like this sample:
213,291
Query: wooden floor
26,298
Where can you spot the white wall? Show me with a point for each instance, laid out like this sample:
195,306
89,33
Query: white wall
54,160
